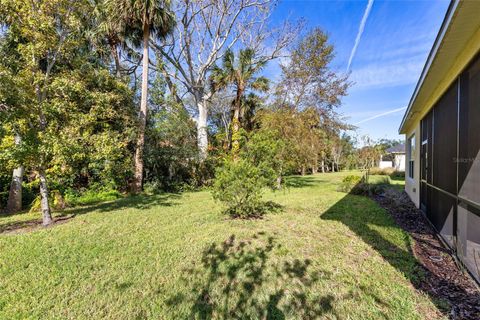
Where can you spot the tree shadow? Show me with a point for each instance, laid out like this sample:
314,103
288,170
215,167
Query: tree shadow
447,287
248,279
15,227
141,202
300,181
258,212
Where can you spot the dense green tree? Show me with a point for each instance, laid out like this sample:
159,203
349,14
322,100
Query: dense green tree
63,102
48,32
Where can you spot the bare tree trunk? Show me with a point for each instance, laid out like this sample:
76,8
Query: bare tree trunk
279,182
315,165
236,124
323,166
137,187
304,170
45,207
14,203
333,166
202,134
114,52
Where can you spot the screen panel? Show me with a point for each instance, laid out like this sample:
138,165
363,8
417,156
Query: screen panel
445,141
468,238
469,146
440,212
426,147
423,196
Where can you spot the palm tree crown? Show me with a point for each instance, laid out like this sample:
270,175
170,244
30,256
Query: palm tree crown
241,74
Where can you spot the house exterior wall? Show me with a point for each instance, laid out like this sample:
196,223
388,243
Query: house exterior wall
412,185
446,171
399,162
444,114
385,164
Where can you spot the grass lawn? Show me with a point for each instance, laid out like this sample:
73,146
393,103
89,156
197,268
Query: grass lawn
325,255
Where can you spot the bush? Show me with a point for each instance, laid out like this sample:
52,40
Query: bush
240,185
349,182
381,171
90,196
55,201
398,175
357,185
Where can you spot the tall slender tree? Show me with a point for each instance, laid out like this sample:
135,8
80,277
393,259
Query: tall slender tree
241,74
14,203
148,18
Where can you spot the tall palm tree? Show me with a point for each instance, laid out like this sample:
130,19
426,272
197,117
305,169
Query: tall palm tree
241,74
146,18
108,32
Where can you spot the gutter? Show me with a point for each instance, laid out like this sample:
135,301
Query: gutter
431,56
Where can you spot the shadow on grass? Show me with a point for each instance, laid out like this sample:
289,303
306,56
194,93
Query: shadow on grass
256,212
250,280
361,215
29,225
141,202
15,225
300,181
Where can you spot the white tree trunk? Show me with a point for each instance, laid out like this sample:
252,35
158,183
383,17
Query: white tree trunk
14,203
202,133
45,207
315,165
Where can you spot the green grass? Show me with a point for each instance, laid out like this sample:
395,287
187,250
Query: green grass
325,255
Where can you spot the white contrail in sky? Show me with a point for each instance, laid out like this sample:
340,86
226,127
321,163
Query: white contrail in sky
360,32
381,115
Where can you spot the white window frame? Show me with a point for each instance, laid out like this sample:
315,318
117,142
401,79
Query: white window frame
411,156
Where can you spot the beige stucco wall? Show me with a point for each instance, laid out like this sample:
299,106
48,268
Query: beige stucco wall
412,186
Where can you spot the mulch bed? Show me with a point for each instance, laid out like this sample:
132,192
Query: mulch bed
443,279
31,225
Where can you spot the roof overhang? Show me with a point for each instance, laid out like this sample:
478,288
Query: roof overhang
457,42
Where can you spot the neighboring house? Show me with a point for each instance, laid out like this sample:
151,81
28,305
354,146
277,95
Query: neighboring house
442,128
394,158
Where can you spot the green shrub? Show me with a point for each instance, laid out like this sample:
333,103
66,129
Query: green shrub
349,182
55,200
90,196
239,185
153,187
357,185
398,175
381,171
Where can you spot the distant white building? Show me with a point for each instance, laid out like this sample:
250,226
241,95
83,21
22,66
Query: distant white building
395,158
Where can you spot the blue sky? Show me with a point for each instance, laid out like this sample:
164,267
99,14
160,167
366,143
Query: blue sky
392,50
